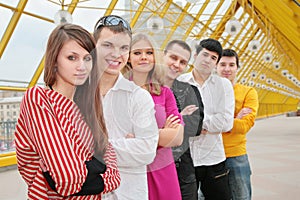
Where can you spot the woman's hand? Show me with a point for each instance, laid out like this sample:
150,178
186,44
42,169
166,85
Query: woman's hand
172,121
188,110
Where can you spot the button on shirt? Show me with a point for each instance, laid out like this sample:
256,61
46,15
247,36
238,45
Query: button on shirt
130,109
218,100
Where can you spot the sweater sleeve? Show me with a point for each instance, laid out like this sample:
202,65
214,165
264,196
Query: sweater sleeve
242,126
111,176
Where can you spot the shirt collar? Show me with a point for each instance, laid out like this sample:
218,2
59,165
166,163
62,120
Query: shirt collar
122,84
211,78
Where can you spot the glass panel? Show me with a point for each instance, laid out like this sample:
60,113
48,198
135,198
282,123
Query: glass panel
24,50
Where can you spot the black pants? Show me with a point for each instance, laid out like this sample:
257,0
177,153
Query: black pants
186,176
188,190
214,181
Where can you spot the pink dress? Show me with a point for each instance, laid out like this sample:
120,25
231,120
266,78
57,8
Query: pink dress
161,173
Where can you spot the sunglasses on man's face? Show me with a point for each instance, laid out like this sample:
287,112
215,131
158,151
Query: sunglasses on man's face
112,20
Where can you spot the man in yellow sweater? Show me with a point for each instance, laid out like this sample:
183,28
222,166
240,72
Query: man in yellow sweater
246,106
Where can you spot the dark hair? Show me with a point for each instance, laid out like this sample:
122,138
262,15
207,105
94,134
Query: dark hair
231,53
211,45
119,28
181,43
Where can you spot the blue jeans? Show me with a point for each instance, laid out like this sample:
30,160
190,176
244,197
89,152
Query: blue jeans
239,177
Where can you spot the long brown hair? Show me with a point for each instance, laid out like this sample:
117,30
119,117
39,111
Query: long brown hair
58,37
86,96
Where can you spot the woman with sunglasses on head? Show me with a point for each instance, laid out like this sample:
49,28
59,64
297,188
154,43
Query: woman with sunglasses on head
147,71
63,153
127,109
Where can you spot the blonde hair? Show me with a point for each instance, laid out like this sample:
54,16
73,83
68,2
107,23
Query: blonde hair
156,76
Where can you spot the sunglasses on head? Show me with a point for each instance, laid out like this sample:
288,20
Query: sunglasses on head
112,20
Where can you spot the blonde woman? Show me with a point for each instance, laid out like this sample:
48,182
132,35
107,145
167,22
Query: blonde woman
147,72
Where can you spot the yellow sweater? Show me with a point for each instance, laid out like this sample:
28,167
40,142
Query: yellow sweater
235,140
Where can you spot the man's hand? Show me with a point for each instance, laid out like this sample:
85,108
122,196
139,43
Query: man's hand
188,110
130,135
244,112
204,131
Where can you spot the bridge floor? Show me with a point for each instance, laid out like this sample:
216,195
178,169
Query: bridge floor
274,153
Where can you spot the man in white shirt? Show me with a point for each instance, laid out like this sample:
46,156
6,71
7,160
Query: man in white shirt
127,108
207,149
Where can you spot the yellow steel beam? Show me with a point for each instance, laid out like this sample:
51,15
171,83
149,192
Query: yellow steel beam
138,13
243,50
196,19
272,98
260,65
212,17
255,59
279,38
110,7
177,23
221,26
244,25
252,34
72,6
8,159
232,43
12,25
277,15
262,94
10,88
40,68
27,13
13,153
165,9
281,8
296,10
37,73
289,33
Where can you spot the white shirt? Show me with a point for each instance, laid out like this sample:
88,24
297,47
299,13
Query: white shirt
130,109
218,100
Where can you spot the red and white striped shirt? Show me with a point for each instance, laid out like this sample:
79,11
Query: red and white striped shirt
52,134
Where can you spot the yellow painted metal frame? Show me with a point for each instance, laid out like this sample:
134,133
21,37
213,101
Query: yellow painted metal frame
7,159
12,25
138,13
211,18
40,68
221,26
177,23
196,19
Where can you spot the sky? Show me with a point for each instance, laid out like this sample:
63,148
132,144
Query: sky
27,45
28,42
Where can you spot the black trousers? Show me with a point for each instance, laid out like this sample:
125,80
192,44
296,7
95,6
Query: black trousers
214,181
186,176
